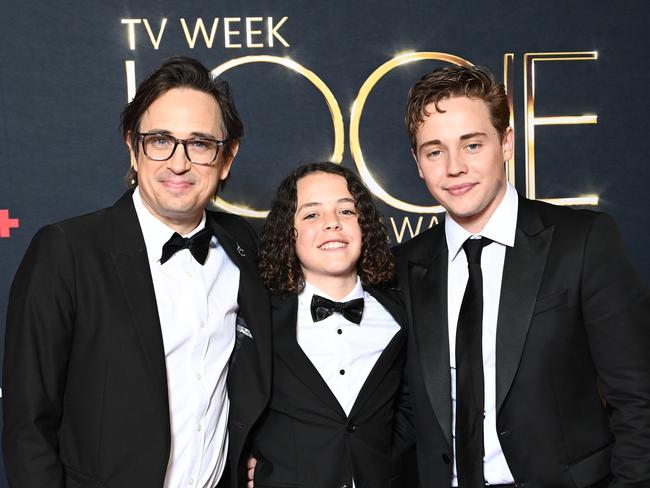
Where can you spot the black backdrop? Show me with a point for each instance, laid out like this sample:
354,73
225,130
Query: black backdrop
63,83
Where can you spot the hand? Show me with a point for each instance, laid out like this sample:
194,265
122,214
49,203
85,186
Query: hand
252,462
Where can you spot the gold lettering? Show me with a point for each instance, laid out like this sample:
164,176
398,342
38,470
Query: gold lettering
355,121
531,121
273,31
155,41
129,66
250,32
200,27
227,32
508,60
131,31
406,224
332,104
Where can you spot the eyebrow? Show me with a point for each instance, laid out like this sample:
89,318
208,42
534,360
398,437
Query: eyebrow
316,204
471,135
464,137
435,142
203,135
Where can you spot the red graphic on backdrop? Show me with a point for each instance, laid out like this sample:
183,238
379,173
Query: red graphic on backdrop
6,224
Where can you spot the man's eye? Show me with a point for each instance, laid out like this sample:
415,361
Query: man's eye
160,142
434,154
475,146
200,144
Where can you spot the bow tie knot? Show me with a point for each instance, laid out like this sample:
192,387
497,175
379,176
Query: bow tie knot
198,245
321,308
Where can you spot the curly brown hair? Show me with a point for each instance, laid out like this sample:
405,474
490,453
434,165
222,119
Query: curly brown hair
279,264
456,81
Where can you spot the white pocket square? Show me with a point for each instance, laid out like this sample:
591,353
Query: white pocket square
241,330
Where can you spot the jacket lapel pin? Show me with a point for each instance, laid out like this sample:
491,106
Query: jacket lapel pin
240,250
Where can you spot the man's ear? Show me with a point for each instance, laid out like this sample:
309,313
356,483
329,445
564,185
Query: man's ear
508,144
227,162
134,159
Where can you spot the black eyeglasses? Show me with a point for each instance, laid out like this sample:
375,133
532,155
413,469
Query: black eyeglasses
161,147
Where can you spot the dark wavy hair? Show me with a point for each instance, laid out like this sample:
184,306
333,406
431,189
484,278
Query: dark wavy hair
456,81
180,72
279,265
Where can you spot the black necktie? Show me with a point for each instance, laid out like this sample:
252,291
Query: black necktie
469,373
198,244
321,308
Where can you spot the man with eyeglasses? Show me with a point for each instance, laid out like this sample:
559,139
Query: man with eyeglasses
137,341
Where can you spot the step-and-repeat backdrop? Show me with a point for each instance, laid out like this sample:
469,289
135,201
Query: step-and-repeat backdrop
324,81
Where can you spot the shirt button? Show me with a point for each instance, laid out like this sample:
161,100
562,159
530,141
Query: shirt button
188,274
190,481
339,332
198,376
202,324
198,428
342,372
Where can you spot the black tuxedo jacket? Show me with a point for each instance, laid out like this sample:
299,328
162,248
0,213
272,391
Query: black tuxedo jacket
573,330
85,387
305,439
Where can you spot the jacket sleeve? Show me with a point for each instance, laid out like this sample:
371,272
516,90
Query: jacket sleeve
37,348
616,310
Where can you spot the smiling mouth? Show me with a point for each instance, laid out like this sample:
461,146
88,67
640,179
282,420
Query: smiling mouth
332,245
460,189
177,183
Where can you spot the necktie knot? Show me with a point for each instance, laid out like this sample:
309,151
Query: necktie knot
473,249
321,308
198,245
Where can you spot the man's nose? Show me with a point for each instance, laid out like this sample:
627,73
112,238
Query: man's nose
456,164
179,162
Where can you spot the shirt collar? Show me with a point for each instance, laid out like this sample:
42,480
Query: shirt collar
310,290
155,232
500,227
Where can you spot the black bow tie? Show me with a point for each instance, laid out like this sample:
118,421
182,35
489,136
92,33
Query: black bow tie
198,244
321,308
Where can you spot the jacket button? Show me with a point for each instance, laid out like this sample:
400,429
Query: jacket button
446,459
504,433
351,427
345,485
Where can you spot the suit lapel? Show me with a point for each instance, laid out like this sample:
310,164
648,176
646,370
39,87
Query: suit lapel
130,258
522,275
235,251
427,285
390,352
251,289
285,317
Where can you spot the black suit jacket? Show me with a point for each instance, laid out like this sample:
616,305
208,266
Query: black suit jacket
305,439
85,387
573,329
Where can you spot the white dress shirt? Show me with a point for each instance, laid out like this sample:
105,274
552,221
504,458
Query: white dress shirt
500,229
197,307
343,352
